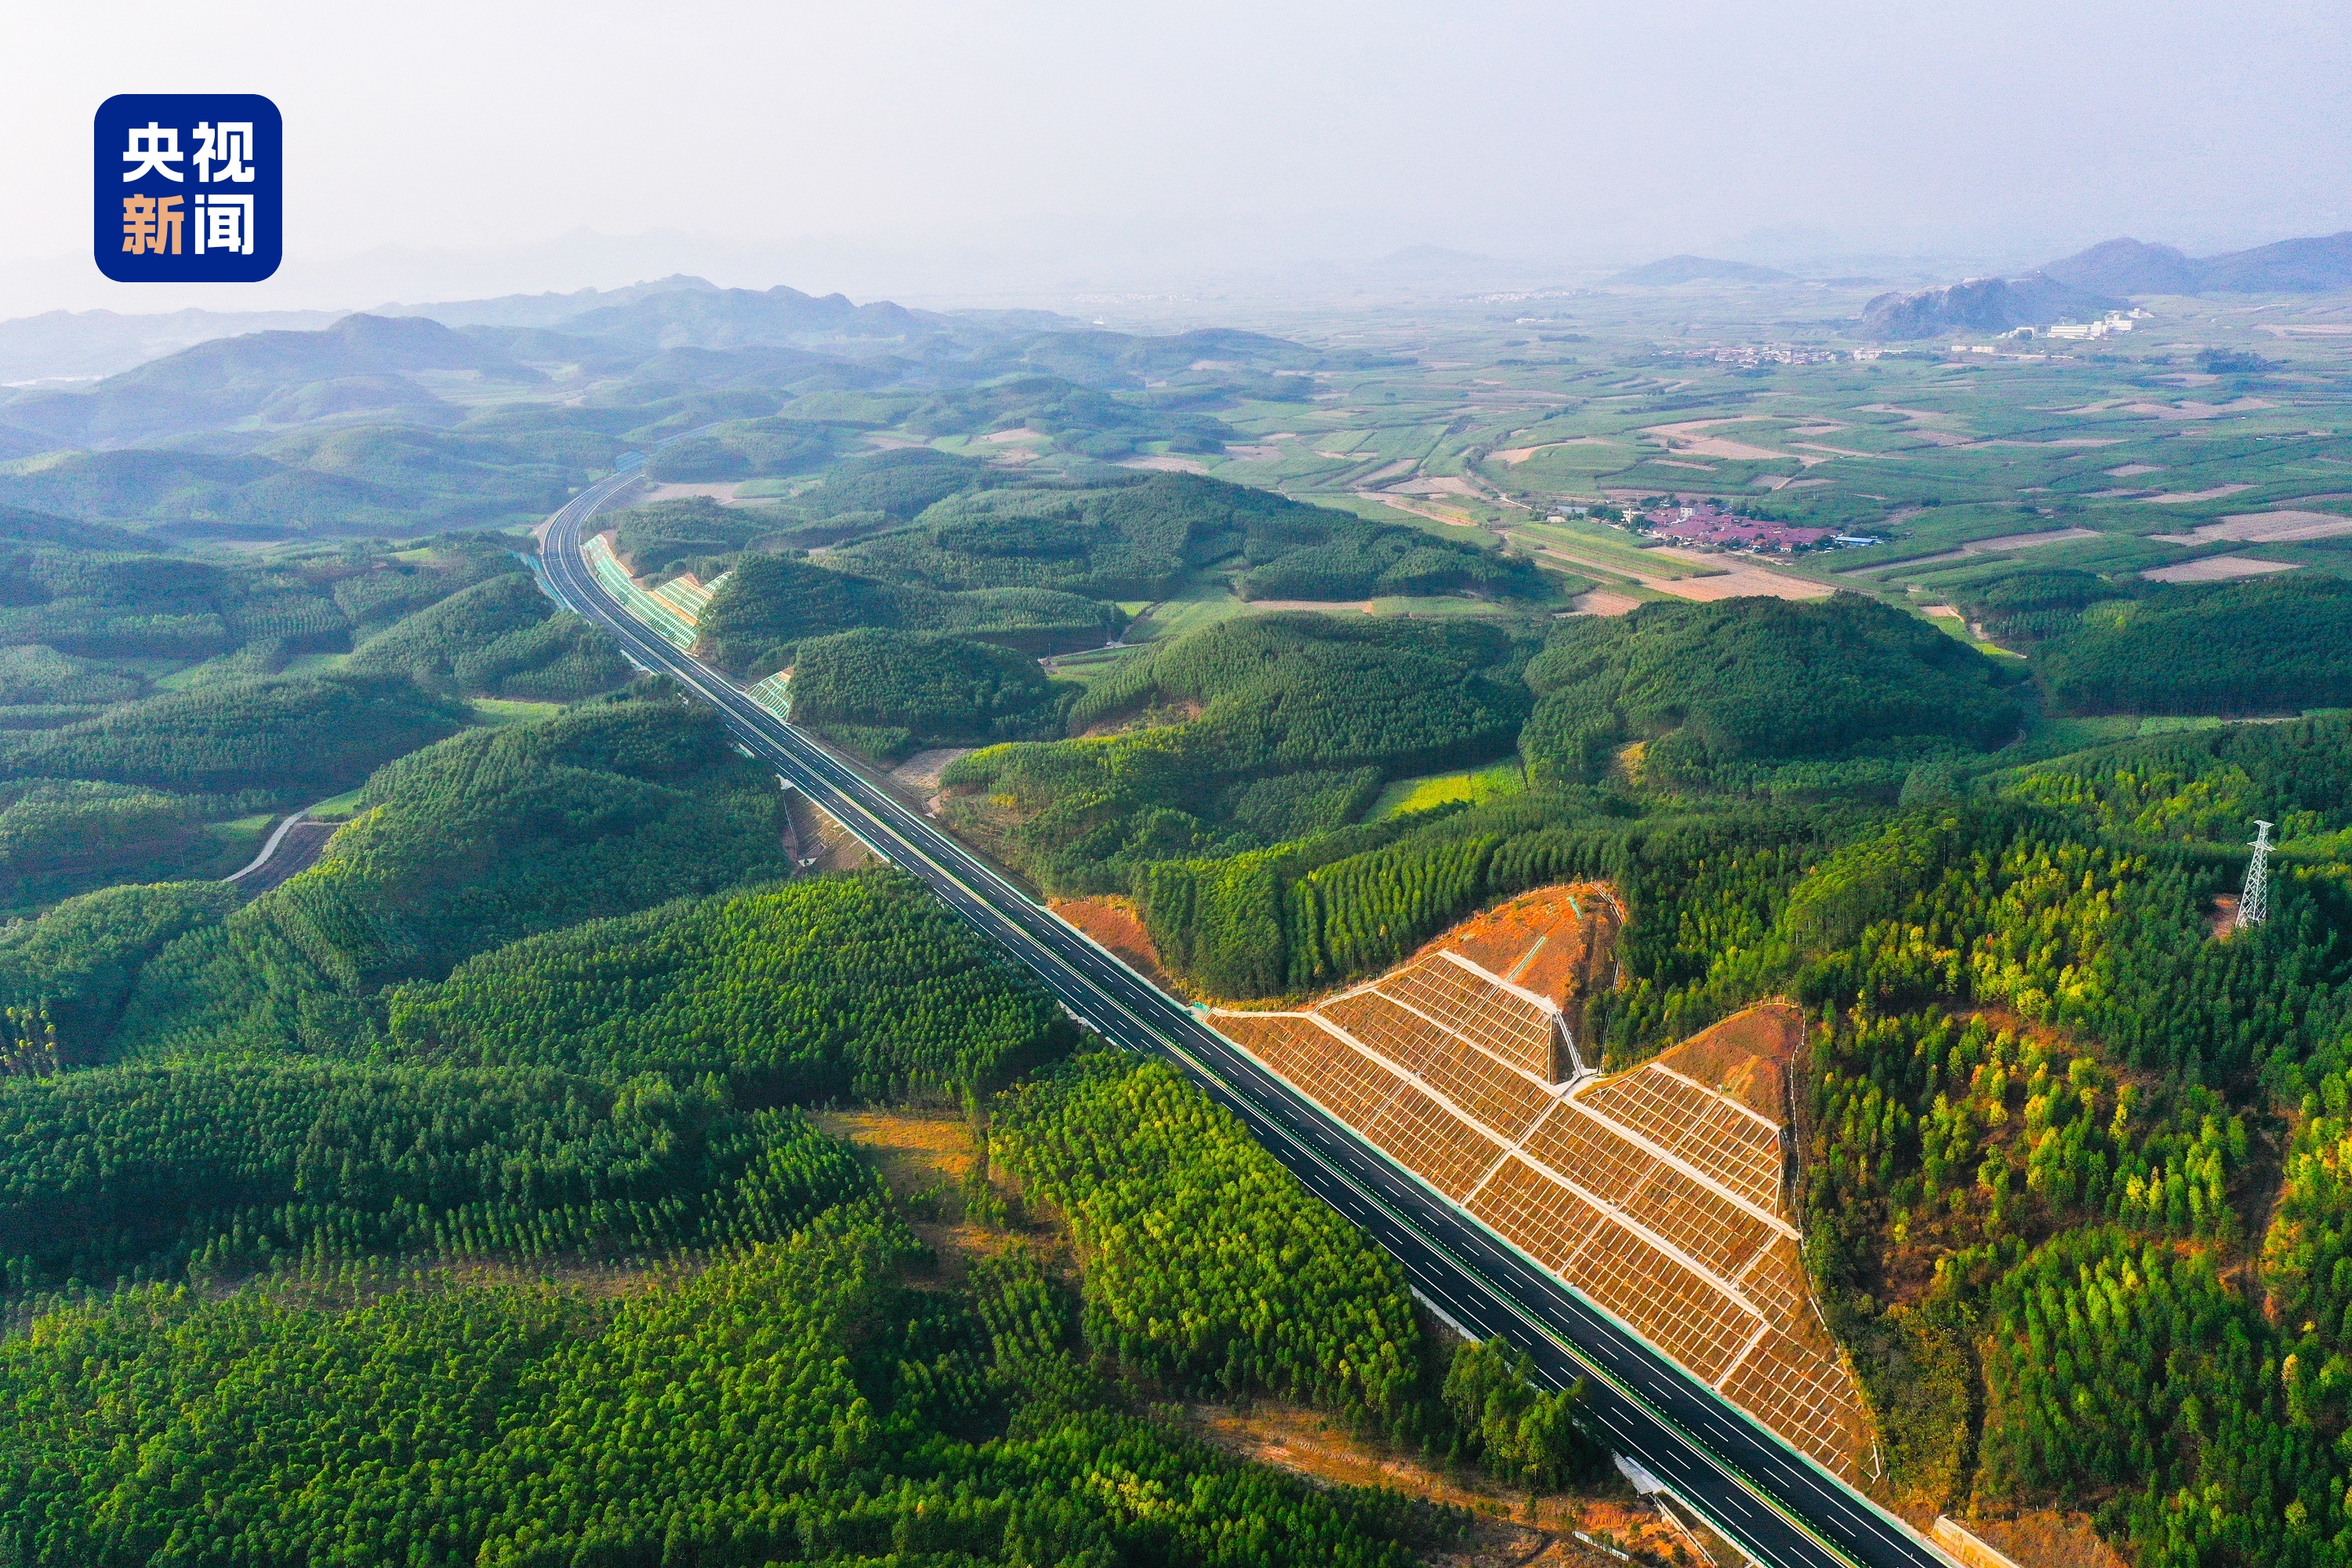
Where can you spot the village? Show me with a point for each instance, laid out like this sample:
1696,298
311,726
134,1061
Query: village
1708,525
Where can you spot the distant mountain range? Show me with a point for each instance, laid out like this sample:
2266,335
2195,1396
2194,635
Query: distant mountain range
87,345
681,332
541,309
2313,266
2091,282
362,364
82,345
1672,269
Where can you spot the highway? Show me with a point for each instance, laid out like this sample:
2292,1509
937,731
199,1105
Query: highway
1781,1508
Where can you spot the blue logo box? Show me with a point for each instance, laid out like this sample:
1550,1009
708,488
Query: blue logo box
188,187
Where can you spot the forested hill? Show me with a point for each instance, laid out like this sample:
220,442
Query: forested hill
2064,1136
551,1003
1038,566
489,837
1273,727
889,692
355,1239
498,638
485,1193
1721,688
2275,644
155,706
1139,540
2068,1141
357,429
1229,800
295,736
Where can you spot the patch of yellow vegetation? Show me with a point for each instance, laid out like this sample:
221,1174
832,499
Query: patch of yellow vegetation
926,1158
1513,1527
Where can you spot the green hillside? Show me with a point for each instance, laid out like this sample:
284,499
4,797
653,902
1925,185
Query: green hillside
1245,731
554,1173
743,449
2269,646
52,826
326,480
892,692
968,1425
1140,541
294,738
489,837
857,987
1720,691
667,533
769,603
218,1167
501,638
65,976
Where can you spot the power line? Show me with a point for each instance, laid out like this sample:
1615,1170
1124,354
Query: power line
2254,903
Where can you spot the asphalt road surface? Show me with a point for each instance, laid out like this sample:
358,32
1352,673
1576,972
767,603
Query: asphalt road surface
1779,1507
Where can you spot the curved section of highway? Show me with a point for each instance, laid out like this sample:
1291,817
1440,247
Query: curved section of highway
1779,1507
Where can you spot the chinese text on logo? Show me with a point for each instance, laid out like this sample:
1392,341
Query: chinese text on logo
189,187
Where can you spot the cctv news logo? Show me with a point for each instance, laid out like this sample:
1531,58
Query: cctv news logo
189,187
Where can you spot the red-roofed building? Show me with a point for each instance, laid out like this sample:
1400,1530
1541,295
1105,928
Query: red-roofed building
1711,525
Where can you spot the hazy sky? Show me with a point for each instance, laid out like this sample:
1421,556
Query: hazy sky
437,149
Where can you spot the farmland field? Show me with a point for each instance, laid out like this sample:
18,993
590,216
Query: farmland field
2122,456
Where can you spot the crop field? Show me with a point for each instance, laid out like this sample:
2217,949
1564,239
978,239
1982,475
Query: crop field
1657,1192
1610,550
2213,428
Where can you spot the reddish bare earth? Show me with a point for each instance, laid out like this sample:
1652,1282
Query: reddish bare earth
1746,1058
1559,943
1117,924
2045,1540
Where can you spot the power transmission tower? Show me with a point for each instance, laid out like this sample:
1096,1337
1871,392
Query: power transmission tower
2254,903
